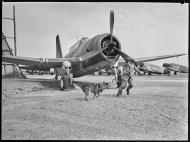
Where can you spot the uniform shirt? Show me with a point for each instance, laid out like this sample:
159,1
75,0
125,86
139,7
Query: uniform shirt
127,71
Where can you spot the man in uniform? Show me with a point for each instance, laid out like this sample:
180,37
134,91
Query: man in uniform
66,81
126,78
117,76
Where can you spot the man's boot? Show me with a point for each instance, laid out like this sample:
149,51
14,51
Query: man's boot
119,92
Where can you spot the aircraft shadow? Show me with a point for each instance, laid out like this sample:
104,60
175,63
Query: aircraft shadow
48,84
51,85
109,95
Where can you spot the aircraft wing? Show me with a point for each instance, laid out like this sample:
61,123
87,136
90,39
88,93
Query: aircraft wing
38,62
147,59
47,63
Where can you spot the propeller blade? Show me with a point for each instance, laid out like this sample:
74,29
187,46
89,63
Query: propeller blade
111,23
126,57
137,69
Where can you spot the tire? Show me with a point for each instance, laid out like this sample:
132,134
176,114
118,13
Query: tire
149,73
56,77
61,83
41,73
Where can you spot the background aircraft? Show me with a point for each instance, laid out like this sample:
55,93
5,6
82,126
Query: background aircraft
86,56
149,69
176,68
35,70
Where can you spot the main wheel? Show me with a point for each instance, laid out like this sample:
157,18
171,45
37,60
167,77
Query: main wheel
56,77
100,73
149,73
61,83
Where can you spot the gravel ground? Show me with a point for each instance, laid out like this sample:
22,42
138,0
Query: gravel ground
157,109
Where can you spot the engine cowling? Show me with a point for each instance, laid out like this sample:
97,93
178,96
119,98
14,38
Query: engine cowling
103,42
110,52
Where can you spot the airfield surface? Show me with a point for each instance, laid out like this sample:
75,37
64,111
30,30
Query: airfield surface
157,109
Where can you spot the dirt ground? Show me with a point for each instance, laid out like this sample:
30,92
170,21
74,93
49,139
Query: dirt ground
157,109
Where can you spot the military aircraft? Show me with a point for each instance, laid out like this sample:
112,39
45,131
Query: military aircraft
145,68
176,68
150,69
32,70
85,57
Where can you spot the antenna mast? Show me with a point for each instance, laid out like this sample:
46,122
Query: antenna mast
14,21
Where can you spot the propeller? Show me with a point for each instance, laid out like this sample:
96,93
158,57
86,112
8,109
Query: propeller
111,23
125,56
112,45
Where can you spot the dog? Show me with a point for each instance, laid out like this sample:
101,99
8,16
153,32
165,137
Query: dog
95,89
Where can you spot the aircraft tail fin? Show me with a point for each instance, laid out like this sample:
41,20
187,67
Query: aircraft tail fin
58,48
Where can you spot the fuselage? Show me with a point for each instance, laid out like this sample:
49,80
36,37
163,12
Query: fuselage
176,67
151,68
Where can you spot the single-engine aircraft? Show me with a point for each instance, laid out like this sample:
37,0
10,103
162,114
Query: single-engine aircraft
86,56
32,70
153,69
176,68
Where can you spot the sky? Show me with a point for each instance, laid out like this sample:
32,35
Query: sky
143,29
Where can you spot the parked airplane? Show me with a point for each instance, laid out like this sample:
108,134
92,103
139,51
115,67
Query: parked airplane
145,68
33,70
86,56
176,68
150,69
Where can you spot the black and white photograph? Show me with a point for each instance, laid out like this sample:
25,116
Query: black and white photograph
94,71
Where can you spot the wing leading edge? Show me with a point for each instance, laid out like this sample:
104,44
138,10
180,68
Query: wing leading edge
41,62
154,58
